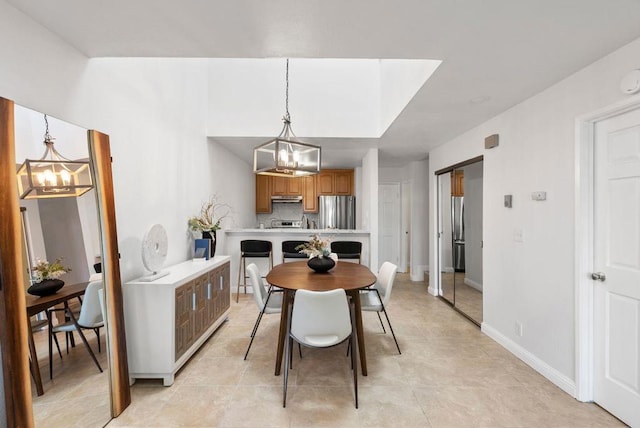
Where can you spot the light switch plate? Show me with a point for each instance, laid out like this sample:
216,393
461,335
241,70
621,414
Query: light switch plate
508,201
518,235
539,196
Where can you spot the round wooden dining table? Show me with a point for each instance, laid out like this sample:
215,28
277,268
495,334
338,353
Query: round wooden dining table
298,276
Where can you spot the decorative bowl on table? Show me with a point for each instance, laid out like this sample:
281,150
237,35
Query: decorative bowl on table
46,287
321,264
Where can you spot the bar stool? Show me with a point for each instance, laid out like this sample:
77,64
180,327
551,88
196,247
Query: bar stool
255,249
289,250
347,249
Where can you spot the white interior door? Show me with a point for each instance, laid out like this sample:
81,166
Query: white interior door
389,223
617,266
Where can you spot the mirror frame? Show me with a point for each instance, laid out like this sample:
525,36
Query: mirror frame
438,276
14,341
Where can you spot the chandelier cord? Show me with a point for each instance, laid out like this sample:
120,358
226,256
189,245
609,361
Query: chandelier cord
287,116
47,136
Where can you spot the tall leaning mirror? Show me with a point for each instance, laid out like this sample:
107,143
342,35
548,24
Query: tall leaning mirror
460,237
66,294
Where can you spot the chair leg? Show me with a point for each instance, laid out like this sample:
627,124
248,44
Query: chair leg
354,352
49,325
239,271
55,339
253,333
86,344
391,328
97,331
287,351
381,323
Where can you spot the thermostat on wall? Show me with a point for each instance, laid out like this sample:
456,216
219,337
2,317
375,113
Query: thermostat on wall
630,83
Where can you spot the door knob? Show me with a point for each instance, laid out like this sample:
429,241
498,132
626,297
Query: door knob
598,276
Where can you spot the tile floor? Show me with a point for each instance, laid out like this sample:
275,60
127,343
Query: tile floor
449,375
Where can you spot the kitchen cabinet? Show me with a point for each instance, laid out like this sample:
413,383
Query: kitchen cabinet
309,195
286,186
263,193
167,320
327,182
335,182
343,182
457,182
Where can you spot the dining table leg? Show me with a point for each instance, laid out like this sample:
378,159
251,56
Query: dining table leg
355,297
284,314
35,369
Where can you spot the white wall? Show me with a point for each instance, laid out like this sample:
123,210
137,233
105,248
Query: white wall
532,282
154,111
414,180
369,200
419,172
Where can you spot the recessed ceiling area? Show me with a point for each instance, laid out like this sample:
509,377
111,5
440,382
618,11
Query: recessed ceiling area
498,51
339,99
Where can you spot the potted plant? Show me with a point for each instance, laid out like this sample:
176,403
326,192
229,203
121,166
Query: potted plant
45,276
208,221
319,253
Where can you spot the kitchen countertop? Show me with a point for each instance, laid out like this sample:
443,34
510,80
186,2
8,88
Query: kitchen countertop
297,231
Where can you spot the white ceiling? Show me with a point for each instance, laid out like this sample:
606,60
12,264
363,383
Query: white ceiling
507,50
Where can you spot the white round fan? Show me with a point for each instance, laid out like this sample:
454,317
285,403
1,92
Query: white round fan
154,251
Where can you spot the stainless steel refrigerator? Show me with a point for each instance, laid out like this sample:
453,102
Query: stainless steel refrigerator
337,212
457,232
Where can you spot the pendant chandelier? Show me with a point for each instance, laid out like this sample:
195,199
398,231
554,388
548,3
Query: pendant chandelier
285,155
53,176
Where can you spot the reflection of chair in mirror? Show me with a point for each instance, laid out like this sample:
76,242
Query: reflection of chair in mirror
377,297
267,302
90,318
289,250
320,319
347,250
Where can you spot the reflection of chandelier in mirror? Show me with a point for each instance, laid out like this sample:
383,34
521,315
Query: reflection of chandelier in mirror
53,176
285,155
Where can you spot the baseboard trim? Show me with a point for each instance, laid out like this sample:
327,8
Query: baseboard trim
553,375
471,283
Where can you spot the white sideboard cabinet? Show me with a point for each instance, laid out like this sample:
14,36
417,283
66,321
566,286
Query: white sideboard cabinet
167,320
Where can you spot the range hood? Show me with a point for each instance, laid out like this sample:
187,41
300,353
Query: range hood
286,199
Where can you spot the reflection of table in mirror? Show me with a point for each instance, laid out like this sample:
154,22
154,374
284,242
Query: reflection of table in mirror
298,276
36,305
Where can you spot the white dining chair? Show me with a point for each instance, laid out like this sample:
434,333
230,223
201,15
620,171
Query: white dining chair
320,319
268,301
376,298
90,317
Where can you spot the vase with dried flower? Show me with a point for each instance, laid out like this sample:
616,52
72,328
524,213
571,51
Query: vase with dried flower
317,249
208,221
46,276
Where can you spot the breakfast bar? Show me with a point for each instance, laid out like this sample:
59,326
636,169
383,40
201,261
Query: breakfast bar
230,243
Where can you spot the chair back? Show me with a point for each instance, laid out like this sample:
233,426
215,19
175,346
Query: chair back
255,248
320,318
259,291
90,311
386,278
289,250
347,249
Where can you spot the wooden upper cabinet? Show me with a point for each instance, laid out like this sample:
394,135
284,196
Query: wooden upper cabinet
295,186
335,182
457,182
344,182
309,195
285,186
263,193
325,183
